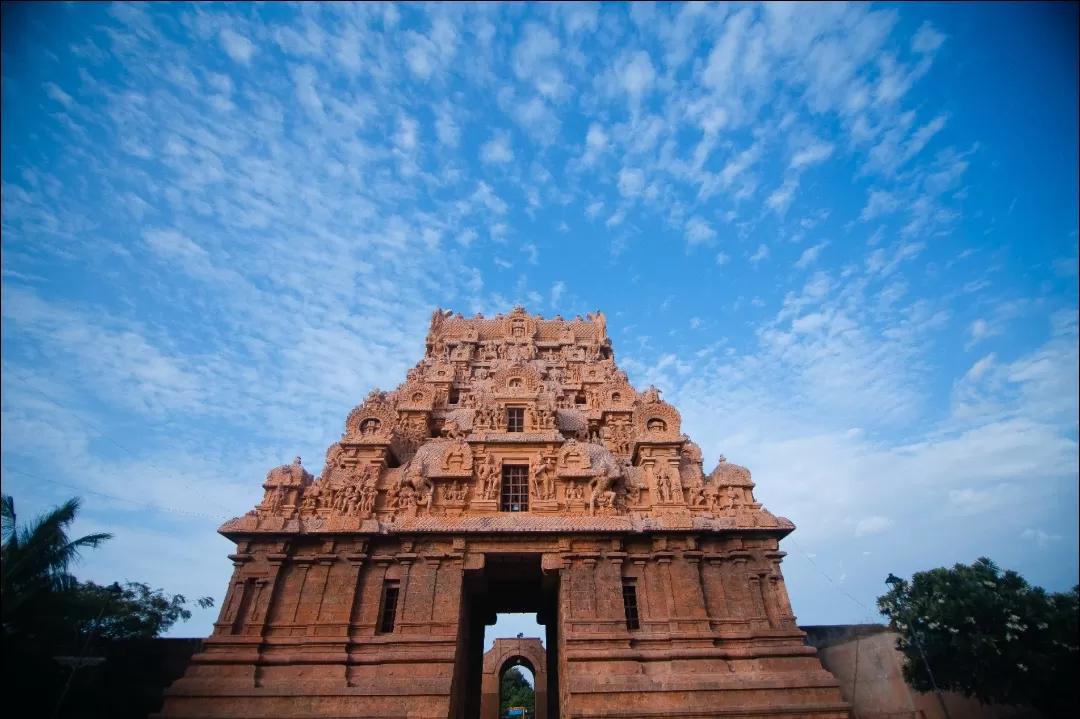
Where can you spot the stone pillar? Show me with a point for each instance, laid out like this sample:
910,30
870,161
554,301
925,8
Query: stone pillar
419,604
712,582
780,590
302,567
366,616
608,586
691,600
352,581
663,572
582,588
640,573
266,593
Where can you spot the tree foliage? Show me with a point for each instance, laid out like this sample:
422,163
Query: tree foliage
35,562
515,691
134,612
987,633
44,604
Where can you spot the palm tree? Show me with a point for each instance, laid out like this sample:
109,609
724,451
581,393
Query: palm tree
35,563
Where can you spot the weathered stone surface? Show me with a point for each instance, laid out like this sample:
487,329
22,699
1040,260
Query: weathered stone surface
515,469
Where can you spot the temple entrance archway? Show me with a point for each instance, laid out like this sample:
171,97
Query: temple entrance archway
499,659
507,583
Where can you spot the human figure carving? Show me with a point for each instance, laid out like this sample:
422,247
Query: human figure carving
309,503
422,487
599,485
406,497
544,480
276,500
392,497
487,474
663,484
674,482
734,498
367,500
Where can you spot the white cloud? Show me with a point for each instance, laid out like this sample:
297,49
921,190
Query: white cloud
446,128
927,39
761,254
636,76
1041,538
813,154
54,91
631,181
780,200
557,290
810,255
237,46
722,259
979,330
878,203
699,230
596,143
305,78
872,525
497,150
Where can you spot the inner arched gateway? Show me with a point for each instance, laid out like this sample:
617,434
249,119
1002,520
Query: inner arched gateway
505,655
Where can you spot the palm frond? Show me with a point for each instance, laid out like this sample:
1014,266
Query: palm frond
7,514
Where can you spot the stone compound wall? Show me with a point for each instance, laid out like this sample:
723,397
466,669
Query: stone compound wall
874,684
515,469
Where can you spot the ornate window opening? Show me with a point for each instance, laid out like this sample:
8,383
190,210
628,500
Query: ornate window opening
616,397
515,383
515,419
370,426
455,396
515,488
629,598
579,398
388,611
657,425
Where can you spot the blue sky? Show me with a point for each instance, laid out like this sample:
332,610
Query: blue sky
841,239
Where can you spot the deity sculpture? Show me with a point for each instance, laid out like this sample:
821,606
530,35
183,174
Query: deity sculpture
544,479
599,486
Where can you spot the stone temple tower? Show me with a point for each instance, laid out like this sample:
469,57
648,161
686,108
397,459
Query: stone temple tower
514,470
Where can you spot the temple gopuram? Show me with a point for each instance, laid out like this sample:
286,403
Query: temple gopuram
514,470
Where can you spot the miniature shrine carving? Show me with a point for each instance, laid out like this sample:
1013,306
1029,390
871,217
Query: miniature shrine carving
514,469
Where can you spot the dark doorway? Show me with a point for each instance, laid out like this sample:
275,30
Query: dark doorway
508,583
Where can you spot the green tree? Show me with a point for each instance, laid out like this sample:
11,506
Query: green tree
135,612
988,634
48,613
45,604
35,563
515,691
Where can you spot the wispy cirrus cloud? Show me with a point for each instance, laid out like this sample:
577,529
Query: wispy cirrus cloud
223,225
